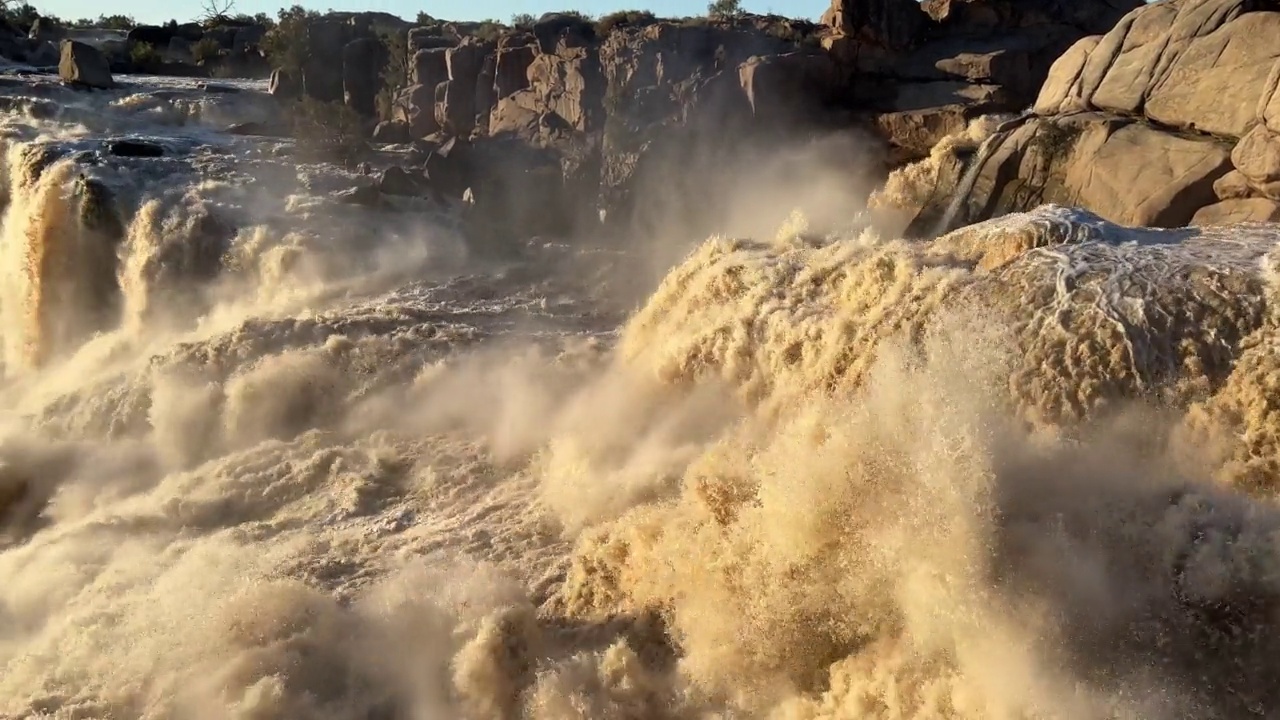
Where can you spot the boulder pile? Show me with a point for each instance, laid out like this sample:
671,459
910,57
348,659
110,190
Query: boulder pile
1170,118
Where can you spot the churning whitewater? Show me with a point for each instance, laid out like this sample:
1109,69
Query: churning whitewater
266,454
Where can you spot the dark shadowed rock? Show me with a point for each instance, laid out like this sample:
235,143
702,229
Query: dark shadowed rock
428,38
485,92
554,30
1231,212
363,195
83,65
135,148
322,73
511,73
362,62
284,85
47,30
416,107
789,88
455,107
892,24
398,181
429,67
393,132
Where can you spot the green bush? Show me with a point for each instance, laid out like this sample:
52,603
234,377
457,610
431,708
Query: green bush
523,21
206,50
144,56
395,74
331,131
489,31
286,45
606,24
725,9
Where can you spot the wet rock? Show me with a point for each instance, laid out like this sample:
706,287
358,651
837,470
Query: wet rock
83,65
135,148
284,85
392,132
447,168
398,181
363,195
216,88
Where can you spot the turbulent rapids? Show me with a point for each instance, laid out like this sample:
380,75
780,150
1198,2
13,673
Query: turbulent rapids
268,455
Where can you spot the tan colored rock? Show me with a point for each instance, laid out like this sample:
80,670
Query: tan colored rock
1232,186
1125,171
84,65
1119,71
1142,176
921,96
1216,82
1257,155
571,87
1231,212
912,133
1060,93
1203,65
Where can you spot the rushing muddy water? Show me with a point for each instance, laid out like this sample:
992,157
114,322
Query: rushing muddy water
268,455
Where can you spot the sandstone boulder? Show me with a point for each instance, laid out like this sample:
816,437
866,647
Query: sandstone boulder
1231,212
1257,157
1125,171
83,65
1200,65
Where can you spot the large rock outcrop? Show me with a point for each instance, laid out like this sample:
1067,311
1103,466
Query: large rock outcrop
83,65
1169,118
654,114
929,73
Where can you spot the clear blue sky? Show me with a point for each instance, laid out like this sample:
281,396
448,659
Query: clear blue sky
182,10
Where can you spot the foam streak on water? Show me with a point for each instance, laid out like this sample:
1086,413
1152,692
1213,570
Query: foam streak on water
291,458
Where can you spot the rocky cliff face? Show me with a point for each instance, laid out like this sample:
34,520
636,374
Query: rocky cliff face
1170,118
644,114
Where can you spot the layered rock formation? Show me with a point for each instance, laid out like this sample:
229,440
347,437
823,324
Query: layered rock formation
646,113
1170,118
